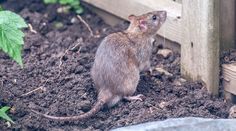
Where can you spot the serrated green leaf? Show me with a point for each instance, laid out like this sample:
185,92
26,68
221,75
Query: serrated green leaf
11,41
11,37
8,17
50,1
3,114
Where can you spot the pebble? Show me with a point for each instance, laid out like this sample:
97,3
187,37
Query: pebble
161,70
165,52
232,112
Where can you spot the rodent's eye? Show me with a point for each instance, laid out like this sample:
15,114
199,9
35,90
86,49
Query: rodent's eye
154,17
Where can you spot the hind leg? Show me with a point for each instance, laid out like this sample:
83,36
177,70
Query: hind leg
130,86
113,101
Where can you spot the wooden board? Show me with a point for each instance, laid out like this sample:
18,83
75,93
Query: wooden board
227,24
123,8
230,97
200,47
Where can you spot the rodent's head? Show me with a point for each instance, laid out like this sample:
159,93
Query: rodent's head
148,23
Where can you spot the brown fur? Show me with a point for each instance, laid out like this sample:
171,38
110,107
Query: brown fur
118,61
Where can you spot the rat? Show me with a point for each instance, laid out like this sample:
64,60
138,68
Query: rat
119,60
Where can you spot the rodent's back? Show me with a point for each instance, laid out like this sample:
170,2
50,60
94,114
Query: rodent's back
112,61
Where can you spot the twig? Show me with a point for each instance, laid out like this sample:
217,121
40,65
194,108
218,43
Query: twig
31,29
62,57
153,106
37,89
70,49
151,111
83,95
86,24
76,46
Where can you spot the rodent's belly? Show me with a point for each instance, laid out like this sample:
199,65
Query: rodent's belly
144,59
145,66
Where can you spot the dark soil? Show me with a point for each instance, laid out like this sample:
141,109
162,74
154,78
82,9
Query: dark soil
65,73
228,56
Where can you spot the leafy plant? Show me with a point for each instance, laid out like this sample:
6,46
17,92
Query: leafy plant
73,4
11,36
4,115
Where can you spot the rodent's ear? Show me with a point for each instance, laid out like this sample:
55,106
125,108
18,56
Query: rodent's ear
132,17
143,25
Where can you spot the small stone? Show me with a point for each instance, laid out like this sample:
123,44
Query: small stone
165,52
182,80
74,20
58,25
232,112
8,124
64,9
13,110
85,105
163,104
177,83
161,70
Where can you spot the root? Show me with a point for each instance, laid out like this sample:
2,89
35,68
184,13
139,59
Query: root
154,107
41,88
73,48
31,29
86,24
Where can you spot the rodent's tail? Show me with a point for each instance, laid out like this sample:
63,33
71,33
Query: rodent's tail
99,104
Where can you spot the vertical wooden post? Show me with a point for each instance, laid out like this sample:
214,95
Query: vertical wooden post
227,24
200,42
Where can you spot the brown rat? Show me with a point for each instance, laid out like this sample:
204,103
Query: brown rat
119,59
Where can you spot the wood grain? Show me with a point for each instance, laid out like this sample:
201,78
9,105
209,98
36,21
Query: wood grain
123,8
200,47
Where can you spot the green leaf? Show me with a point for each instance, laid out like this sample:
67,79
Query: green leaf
63,2
8,17
3,114
75,3
1,8
79,10
50,1
11,37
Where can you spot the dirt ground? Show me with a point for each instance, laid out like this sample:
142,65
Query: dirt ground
50,61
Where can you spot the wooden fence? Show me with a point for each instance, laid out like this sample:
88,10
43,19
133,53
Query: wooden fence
201,27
